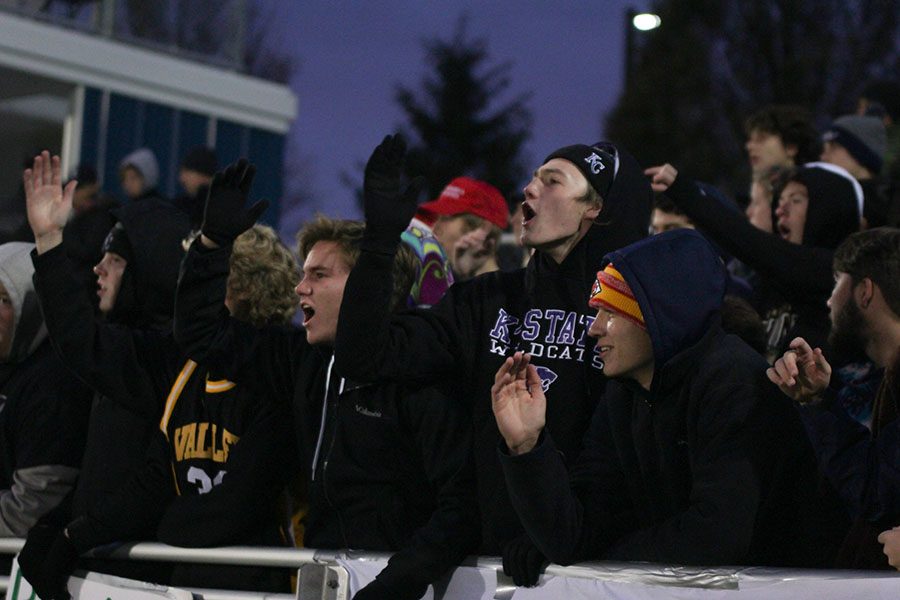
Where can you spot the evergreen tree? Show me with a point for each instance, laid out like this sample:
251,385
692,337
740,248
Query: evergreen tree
712,63
456,126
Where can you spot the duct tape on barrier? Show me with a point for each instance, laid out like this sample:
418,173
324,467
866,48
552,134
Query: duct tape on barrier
97,586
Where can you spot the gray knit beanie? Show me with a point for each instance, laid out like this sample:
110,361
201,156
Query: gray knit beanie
144,161
865,138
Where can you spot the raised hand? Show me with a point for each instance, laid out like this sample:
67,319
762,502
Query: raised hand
388,206
891,541
48,204
519,403
661,177
802,372
225,217
471,251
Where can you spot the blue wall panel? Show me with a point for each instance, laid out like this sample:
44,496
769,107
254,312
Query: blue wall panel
159,129
191,131
90,129
267,153
171,133
231,141
124,114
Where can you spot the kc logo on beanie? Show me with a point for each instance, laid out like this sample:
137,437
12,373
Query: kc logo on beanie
598,164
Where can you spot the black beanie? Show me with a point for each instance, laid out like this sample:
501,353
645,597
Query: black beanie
117,242
598,163
201,159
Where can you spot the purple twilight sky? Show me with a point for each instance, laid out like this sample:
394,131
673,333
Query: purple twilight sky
352,55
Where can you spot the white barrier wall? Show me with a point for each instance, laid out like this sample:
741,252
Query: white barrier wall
329,575
651,582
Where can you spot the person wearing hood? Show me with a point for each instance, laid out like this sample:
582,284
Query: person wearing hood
91,220
43,407
692,457
582,202
819,206
136,279
139,175
164,429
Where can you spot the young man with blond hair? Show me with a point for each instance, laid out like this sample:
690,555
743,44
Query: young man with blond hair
388,466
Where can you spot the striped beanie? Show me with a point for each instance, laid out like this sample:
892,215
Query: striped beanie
612,293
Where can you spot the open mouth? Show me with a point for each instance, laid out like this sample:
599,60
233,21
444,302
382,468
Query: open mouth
784,231
527,213
308,312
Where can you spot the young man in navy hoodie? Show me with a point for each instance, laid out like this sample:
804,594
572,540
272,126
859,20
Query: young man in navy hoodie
691,457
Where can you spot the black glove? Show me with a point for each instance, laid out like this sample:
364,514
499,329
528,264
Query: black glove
224,217
373,591
523,561
388,208
47,560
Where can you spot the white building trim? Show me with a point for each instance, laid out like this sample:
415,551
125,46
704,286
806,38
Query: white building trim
102,63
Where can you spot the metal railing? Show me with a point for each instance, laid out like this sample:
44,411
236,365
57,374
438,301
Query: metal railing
322,574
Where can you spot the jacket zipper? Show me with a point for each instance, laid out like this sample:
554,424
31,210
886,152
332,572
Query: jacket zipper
331,423
315,460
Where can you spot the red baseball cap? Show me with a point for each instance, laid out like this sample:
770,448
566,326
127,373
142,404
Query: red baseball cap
467,195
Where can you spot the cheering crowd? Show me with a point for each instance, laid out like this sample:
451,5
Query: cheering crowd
651,373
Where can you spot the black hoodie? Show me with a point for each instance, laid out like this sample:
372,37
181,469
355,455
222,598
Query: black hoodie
118,437
796,280
165,433
541,309
708,467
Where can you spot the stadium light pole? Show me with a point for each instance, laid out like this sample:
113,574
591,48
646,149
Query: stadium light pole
635,21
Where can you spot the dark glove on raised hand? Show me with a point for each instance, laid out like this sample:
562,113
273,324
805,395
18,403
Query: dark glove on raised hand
224,217
523,561
388,206
47,560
